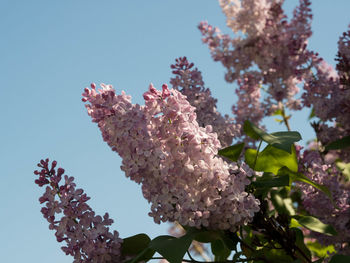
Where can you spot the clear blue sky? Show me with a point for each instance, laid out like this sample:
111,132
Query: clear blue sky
50,51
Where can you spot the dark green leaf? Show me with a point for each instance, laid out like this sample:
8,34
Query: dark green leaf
206,236
280,140
232,152
271,159
302,178
144,256
299,241
339,144
220,251
237,255
252,131
271,255
171,248
135,244
230,240
340,259
284,140
271,181
316,225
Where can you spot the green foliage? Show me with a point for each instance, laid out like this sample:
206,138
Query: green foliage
283,205
269,180
299,177
279,140
312,114
340,259
220,250
276,255
319,250
339,144
345,169
137,246
232,152
281,239
206,236
171,248
299,241
315,224
271,159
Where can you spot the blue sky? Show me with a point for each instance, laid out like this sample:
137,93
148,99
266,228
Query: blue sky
51,50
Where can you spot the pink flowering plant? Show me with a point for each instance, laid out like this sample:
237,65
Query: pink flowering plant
229,198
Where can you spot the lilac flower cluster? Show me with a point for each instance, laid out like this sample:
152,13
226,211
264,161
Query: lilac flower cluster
328,92
343,59
86,235
248,106
267,48
318,204
189,82
164,148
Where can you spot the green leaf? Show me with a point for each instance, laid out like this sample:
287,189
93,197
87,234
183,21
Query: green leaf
302,178
345,169
249,157
282,205
280,140
206,236
230,240
284,140
316,225
312,114
252,131
271,255
278,112
319,250
144,256
271,181
340,259
232,152
135,244
278,120
171,248
237,256
339,144
220,251
294,223
271,159
299,241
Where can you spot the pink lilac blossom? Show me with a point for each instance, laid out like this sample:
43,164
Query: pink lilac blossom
318,204
269,48
343,58
248,106
87,235
175,160
189,82
328,92
247,16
